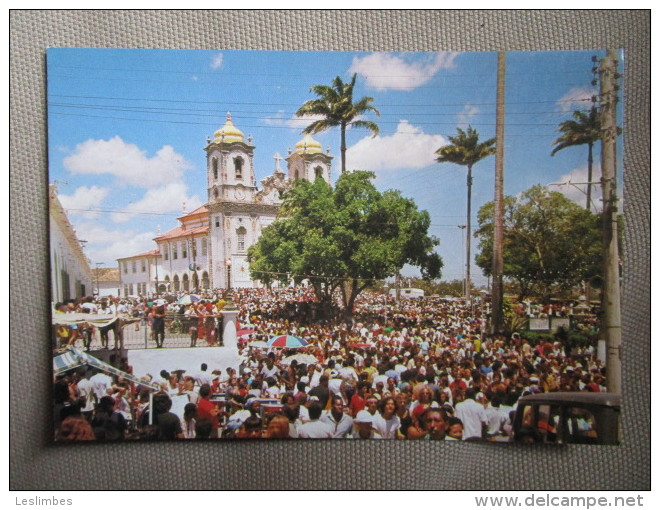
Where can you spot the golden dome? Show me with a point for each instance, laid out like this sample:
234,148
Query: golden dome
308,146
228,133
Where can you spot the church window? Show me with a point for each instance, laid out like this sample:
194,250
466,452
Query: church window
215,192
166,252
205,280
193,247
297,176
184,250
318,172
238,167
204,247
214,164
240,238
175,254
217,221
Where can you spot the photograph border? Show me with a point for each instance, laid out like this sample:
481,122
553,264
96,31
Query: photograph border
37,464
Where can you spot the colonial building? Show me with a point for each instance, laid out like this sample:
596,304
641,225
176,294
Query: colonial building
106,281
70,273
209,247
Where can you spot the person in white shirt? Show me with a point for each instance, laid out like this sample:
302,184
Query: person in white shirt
472,415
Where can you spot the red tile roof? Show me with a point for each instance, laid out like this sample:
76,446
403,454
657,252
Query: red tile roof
180,232
200,210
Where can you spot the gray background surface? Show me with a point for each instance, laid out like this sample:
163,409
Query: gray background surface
36,464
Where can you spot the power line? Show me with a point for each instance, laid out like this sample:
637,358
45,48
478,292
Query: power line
380,105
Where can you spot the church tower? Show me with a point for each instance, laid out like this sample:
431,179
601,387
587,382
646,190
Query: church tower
308,161
229,165
237,211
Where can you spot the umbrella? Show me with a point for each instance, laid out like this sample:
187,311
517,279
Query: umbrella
258,344
74,358
302,359
287,341
188,299
361,346
244,332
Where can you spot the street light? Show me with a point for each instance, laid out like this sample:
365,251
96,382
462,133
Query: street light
228,264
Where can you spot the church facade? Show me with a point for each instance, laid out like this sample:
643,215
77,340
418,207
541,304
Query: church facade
209,247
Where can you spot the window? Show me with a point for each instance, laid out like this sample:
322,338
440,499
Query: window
184,249
175,280
193,248
205,280
238,167
240,237
125,267
144,265
186,286
204,248
318,172
130,289
217,221
175,254
214,164
166,252
215,192
133,266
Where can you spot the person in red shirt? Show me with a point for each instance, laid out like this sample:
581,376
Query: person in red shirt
207,410
359,399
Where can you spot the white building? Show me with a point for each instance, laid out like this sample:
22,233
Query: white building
137,274
106,281
209,247
70,273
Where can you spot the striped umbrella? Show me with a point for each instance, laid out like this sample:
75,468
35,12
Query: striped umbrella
286,341
74,358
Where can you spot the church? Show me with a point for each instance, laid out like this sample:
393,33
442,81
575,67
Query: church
208,249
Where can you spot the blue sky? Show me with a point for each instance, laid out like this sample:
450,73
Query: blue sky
127,130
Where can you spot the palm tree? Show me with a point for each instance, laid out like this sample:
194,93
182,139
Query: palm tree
464,149
585,129
335,105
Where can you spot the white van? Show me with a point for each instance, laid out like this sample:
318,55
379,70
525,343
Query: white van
408,293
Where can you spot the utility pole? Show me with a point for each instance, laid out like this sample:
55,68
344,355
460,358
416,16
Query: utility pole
611,299
497,294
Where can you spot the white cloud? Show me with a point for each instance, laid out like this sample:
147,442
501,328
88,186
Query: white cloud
578,192
216,61
408,147
576,98
106,245
168,198
465,117
127,162
83,198
387,71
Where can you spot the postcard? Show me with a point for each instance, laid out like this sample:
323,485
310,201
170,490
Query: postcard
324,245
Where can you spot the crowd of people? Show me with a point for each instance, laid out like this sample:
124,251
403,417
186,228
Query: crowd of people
420,368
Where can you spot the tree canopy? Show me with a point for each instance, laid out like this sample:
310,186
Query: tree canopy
550,243
343,238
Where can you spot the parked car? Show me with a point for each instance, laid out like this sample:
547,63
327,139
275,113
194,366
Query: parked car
568,418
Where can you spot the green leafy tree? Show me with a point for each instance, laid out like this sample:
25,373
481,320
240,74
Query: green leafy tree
550,243
584,129
464,149
335,104
343,239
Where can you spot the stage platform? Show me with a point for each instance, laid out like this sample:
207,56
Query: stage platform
152,361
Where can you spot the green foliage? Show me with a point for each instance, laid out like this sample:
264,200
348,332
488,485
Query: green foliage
550,243
336,107
465,149
344,238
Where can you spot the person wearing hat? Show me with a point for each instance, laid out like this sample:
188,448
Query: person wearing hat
363,426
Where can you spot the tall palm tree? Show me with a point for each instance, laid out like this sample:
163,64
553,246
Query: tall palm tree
335,105
584,129
464,149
